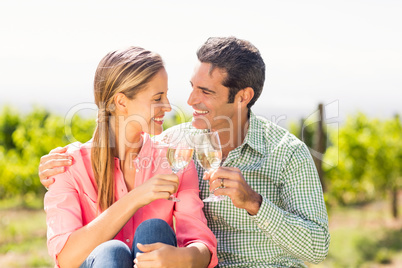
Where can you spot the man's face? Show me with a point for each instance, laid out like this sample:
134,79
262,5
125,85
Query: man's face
209,99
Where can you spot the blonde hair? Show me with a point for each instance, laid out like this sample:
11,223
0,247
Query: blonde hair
124,71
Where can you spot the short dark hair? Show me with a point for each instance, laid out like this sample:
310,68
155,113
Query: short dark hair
240,59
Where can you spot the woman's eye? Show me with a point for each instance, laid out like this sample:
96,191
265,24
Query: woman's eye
158,99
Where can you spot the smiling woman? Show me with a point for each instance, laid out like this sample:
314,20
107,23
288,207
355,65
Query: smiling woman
148,108
105,196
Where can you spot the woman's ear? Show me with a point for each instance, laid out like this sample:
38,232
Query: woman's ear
120,102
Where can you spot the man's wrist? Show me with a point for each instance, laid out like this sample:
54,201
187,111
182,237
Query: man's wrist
255,205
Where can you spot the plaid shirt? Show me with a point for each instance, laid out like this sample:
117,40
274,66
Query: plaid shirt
291,225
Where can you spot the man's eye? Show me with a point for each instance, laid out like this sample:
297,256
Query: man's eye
205,92
158,99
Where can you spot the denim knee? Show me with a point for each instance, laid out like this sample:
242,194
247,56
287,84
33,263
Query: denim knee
112,253
153,231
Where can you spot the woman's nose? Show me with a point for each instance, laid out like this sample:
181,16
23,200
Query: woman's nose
167,107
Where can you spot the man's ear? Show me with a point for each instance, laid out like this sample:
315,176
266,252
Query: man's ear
244,96
120,102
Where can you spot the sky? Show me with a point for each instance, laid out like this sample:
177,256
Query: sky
345,54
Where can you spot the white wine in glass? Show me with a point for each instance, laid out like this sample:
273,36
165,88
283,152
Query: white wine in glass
209,160
179,153
179,158
209,156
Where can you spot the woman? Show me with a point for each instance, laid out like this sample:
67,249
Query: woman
119,184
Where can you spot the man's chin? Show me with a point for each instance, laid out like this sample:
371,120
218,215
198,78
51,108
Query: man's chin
200,124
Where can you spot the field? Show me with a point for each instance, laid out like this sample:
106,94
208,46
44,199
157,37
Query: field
361,236
364,236
23,235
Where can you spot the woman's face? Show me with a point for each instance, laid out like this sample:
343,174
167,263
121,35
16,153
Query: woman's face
147,109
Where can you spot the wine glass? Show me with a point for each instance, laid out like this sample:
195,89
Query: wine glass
209,155
179,151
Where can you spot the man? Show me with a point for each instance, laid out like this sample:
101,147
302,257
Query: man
275,215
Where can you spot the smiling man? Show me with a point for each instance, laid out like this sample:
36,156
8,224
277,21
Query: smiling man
275,215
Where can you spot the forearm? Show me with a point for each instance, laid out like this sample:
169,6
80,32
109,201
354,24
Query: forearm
197,255
104,228
303,238
299,223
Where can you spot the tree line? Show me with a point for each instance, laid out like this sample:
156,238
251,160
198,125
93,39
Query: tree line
360,161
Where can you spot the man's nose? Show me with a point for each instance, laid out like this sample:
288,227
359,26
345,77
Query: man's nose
193,99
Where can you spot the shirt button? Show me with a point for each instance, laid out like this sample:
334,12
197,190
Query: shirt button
215,218
266,224
128,240
137,170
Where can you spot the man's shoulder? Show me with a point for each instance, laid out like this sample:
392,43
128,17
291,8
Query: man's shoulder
275,134
278,140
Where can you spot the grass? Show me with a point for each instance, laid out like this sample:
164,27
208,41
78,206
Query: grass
363,248
361,236
23,234
364,236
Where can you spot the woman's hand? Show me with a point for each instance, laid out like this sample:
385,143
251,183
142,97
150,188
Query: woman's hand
157,255
160,186
162,255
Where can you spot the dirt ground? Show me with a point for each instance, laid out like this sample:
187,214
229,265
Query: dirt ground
339,218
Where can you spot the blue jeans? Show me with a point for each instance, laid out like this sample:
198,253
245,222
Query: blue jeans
115,253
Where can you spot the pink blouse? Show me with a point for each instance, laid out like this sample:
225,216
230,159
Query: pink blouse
71,201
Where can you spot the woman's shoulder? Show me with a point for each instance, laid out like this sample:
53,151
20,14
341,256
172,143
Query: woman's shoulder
81,154
79,149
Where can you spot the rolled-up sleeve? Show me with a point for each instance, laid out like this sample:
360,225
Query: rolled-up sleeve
191,224
63,213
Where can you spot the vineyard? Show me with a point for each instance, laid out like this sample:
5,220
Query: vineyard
360,164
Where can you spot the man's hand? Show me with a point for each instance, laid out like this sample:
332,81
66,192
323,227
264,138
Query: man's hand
52,164
235,187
